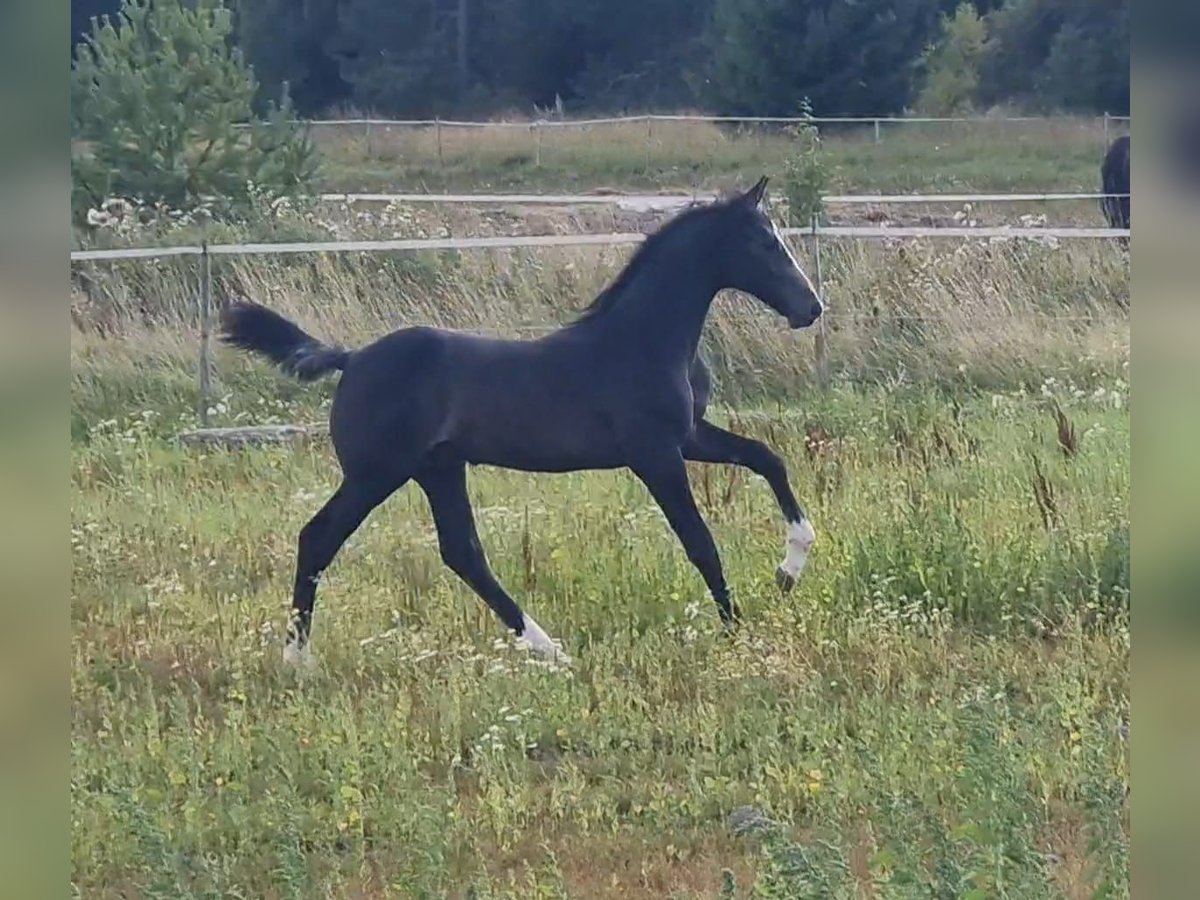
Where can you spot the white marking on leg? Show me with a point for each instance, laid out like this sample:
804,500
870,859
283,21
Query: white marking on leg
800,538
792,256
540,642
298,657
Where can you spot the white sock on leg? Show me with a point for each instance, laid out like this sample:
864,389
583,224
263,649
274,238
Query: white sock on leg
540,642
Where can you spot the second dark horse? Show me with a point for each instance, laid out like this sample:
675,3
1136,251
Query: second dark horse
1114,182
622,386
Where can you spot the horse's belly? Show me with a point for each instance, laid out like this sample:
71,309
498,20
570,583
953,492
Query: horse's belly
536,437
531,459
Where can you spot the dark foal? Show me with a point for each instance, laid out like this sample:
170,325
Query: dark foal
622,386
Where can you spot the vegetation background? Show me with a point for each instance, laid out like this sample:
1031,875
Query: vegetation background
939,709
486,57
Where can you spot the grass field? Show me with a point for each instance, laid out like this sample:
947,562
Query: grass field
1055,154
939,709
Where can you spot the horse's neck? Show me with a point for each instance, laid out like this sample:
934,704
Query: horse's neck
666,309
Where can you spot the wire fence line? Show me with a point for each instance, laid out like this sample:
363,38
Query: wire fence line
206,252
536,128
519,199
853,199
650,200
684,117
573,240
893,317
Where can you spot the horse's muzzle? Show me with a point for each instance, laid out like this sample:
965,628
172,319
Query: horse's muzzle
803,320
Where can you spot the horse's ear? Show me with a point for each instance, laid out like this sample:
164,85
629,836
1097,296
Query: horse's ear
755,195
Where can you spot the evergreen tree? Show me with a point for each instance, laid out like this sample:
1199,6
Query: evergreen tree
1059,54
848,57
290,41
82,13
399,56
158,97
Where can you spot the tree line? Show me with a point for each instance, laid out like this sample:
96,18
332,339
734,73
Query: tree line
847,57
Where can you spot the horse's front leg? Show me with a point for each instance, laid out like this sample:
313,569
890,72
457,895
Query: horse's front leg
665,474
711,444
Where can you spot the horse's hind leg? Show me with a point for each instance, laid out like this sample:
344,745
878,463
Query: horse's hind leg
319,542
445,484
709,443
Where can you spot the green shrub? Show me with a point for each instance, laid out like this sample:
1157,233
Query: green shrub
951,66
804,176
162,105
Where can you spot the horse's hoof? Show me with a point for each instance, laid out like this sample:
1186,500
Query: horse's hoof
784,579
731,623
300,658
535,639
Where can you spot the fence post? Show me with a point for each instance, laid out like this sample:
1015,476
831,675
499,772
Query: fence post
649,140
1106,128
370,150
820,345
877,131
537,144
205,331
437,130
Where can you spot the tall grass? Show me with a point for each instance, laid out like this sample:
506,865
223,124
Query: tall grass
940,707
989,314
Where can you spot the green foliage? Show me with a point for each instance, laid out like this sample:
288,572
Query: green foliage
951,66
289,43
398,55
478,57
1059,54
158,97
805,178
848,57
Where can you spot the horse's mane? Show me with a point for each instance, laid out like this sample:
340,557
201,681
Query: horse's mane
646,252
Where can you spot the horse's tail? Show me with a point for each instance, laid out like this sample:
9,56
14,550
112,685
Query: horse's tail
253,327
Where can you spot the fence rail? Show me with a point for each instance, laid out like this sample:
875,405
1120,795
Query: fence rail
573,240
667,117
852,199
699,196
207,251
519,199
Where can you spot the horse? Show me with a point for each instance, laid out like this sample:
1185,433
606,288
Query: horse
620,386
1114,179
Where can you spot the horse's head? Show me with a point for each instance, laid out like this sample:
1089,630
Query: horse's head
755,259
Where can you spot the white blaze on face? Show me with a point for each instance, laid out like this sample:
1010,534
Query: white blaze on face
800,538
540,642
792,257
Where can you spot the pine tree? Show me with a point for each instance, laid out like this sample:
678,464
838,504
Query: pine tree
1058,55
159,97
848,57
